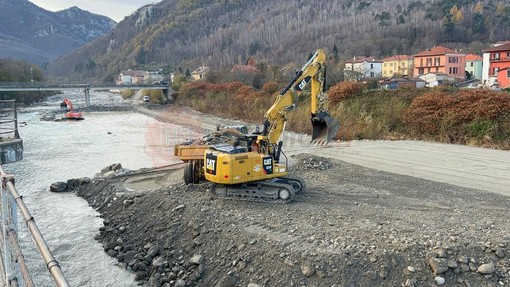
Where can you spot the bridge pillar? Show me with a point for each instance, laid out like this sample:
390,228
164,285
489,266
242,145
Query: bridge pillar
87,97
164,92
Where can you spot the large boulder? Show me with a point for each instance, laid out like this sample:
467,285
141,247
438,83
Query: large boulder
58,187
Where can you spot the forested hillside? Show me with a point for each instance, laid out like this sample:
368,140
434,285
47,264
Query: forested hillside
220,33
28,32
21,71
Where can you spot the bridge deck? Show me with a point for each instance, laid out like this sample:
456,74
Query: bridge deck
39,86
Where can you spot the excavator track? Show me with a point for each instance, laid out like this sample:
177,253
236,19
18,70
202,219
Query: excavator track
268,191
296,182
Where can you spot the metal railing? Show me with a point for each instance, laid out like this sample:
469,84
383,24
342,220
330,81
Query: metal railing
14,269
8,118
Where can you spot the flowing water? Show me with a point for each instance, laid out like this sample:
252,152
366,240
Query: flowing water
57,151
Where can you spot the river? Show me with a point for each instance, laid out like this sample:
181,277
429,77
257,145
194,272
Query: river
57,151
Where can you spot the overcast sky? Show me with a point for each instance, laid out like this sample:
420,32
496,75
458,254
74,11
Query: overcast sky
115,9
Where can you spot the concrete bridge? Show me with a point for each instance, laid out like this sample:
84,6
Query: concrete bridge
42,86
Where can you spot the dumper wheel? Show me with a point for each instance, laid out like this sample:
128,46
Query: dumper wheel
191,173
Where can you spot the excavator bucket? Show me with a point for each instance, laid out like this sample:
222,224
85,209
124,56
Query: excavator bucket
324,128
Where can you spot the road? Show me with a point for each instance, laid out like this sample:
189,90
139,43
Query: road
472,167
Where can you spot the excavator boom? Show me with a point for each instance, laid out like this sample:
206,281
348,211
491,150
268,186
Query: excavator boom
324,126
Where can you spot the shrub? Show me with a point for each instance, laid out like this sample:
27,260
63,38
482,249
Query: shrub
126,94
270,87
460,116
344,90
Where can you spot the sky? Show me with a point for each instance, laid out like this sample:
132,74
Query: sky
115,9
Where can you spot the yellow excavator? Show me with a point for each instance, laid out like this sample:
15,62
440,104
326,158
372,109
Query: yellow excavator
253,168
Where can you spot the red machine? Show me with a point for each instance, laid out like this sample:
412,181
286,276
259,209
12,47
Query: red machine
71,114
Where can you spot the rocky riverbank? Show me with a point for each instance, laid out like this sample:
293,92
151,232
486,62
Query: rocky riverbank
353,226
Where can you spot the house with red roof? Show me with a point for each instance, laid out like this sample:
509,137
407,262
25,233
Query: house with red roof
440,60
397,66
497,71
474,66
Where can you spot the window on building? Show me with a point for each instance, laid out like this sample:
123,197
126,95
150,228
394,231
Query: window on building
472,64
386,64
421,71
437,61
372,75
496,56
429,61
421,62
454,70
508,73
371,66
453,59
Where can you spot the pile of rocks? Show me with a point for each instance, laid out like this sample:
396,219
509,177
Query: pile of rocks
317,163
352,226
112,170
70,185
223,136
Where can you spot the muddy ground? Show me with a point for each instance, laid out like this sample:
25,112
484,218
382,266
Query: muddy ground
353,226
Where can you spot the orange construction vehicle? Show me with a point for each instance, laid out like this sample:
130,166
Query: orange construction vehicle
71,114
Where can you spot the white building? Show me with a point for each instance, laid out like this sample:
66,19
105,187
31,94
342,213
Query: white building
362,68
436,79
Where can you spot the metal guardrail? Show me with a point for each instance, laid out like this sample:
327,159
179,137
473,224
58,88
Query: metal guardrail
14,269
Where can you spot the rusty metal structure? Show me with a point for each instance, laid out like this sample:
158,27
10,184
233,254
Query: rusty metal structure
14,271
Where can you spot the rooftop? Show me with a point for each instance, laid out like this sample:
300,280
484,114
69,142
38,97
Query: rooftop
439,50
473,57
397,58
504,47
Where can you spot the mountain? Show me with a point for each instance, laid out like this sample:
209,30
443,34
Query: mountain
30,33
186,34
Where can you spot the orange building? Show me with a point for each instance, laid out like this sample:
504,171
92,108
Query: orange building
440,60
499,64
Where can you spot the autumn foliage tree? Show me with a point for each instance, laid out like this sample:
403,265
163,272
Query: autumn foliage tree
344,90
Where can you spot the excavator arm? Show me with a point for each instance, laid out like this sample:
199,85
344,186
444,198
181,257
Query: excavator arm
324,127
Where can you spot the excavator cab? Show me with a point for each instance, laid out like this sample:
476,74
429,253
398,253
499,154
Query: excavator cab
324,127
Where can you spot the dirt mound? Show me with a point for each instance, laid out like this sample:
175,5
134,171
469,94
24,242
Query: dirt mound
353,226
